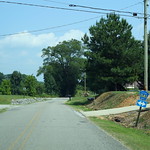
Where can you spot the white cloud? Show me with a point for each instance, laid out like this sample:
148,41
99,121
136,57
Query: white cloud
30,40
27,40
23,51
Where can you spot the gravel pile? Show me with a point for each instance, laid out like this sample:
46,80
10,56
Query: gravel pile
27,100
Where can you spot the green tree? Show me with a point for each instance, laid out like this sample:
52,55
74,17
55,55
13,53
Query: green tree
62,66
5,87
113,56
40,88
16,79
30,85
1,77
50,83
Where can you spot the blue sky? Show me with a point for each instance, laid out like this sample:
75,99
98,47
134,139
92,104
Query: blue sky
22,52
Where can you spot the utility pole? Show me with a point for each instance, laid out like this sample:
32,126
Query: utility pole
145,47
145,55
85,84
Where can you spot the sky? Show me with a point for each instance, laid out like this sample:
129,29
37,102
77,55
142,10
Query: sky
25,30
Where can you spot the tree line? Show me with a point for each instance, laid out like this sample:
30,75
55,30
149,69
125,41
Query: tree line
20,84
109,55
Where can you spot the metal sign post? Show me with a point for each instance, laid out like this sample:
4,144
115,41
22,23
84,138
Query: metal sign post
137,120
142,103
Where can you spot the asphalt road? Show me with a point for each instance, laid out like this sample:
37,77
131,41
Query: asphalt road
51,125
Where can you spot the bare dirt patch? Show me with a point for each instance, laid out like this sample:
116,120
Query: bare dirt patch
130,101
116,100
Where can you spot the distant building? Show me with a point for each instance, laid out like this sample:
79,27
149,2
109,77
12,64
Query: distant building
134,85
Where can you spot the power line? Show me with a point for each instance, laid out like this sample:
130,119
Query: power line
45,6
64,3
133,13
79,10
112,10
131,5
55,27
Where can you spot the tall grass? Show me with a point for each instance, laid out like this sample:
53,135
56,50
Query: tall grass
6,99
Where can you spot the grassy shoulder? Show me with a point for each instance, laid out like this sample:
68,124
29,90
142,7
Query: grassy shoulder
3,110
79,103
135,139
6,99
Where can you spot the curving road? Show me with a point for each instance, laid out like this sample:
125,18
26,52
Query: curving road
51,125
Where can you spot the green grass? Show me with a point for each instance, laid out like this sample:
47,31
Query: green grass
80,107
6,99
78,103
133,138
3,110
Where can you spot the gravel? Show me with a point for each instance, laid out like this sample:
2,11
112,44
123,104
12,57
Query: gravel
27,100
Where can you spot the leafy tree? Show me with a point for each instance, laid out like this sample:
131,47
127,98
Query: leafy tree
30,85
1,77
40,88
62,66
113,56
50,83
5,87
15,80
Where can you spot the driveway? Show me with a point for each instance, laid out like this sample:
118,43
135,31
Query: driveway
111,111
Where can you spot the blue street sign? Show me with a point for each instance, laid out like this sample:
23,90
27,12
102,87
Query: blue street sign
143,95
141,103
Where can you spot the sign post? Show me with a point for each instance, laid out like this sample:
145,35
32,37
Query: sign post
141,103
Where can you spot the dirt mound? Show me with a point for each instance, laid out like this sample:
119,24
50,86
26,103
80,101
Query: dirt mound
113,100
129,119
131,100
121,99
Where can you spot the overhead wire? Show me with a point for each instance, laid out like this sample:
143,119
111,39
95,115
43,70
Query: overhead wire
44,29
45,6
112,10
131,5
74,5
79,10
64,3
52,7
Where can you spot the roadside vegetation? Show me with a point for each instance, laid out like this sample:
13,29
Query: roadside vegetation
3,110
6,99
106,100
109,58
79,103
120,126
135,139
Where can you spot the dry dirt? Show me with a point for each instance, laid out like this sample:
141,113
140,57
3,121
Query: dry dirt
129,101
126,119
